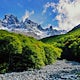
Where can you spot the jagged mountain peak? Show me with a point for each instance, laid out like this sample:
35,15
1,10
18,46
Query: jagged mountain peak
27,20
40,28
49,28
30,22
10,19
9,15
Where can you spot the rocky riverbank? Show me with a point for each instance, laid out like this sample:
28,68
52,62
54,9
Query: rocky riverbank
61,70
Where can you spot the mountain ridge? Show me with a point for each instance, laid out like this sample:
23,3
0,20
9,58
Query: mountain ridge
27,27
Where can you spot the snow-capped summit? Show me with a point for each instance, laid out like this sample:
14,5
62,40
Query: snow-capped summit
29,24
10,19
27,21
27,27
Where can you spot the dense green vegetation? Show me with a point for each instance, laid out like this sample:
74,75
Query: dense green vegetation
69,43
19,53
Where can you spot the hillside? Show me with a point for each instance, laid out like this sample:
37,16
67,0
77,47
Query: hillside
69,43
19,52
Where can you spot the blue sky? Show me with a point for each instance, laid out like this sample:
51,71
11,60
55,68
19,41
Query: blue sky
61,14
19,7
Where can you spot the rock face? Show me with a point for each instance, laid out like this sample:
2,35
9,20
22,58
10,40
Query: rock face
28,27
61,70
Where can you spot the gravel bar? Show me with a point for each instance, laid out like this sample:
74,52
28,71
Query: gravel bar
61,70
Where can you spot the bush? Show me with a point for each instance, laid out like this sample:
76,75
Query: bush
51,53
33,56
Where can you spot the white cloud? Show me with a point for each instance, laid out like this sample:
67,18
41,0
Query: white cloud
27,14
68,13
47,5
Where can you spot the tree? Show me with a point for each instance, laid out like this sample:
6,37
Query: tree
9,45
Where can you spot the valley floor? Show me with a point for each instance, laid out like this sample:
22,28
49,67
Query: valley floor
61,70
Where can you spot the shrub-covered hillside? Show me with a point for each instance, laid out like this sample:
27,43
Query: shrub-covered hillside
70,44
19,53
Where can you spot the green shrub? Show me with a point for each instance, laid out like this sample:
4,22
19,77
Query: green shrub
33,56
51,53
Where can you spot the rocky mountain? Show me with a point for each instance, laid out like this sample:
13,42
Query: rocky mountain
51,32
27,27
